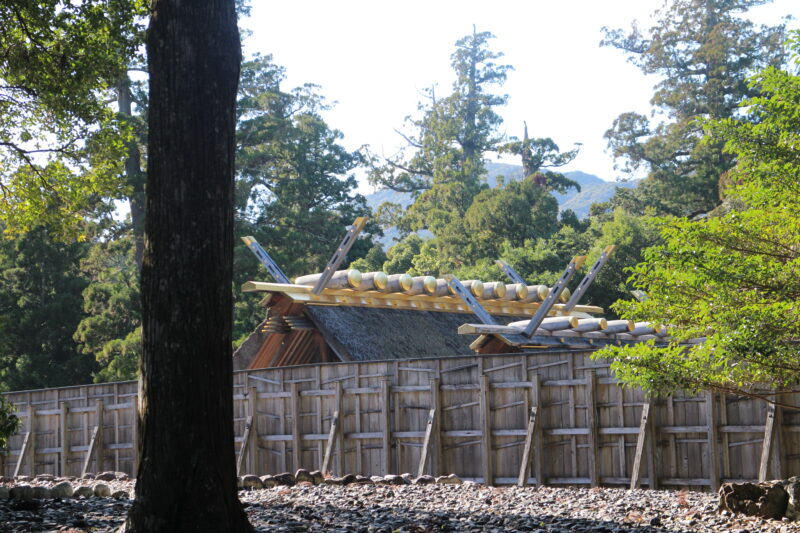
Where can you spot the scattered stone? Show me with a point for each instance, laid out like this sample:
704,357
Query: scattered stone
303,475
424,480
287,478
23,479
62,490
268,482
84,491
120,495
22,492
42,493
766,500
101,490
252,482
106,476
333,480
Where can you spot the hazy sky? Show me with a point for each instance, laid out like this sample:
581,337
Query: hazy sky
374,57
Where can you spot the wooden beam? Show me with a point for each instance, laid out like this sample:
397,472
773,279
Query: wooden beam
63,435
591,420
486,429
637,458
766,447
252,412
525,465
325,468
245,445
90,452
426,444
27,442
436,444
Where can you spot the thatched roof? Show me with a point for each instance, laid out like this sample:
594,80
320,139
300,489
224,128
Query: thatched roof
368,334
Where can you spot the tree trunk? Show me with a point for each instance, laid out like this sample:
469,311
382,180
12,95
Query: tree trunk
187,473
133,172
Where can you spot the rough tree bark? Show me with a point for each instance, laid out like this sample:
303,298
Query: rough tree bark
187,477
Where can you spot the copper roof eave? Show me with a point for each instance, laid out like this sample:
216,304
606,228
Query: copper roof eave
398,300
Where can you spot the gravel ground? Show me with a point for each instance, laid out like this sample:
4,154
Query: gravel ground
415,508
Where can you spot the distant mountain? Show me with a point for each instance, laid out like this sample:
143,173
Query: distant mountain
593,190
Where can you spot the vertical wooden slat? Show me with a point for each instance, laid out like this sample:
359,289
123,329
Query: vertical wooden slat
436,443
252,412
672,450
296,445
397,419
622,460
135,435
91,451
386,444
116,426
723,421
538,436
651,451
332,433
357,402
573,440
591,421
318,418
100,436
637,458
766,447
63,438
713,442
486,430
340,463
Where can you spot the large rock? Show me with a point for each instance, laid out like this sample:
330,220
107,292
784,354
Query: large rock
121,495
317,477
394,479
45,477
792,488
84,491
22,492
452,479
252,482
42,493
62,490
303,475
268,482
106,476
287,478
766,500
425,480
101,490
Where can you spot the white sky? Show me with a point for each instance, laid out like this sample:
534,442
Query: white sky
373,58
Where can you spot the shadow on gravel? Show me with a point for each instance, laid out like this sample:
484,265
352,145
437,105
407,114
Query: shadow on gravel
354,517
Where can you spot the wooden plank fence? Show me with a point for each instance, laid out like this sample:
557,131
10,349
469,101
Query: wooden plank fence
476,416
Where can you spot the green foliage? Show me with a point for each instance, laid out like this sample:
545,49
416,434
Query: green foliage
9,423
704,52
111,330
40,308
730,278
294,186
61,147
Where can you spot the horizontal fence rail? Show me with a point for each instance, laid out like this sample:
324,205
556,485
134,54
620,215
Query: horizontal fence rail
555,418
